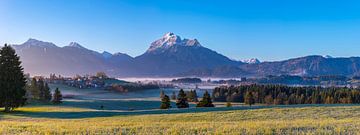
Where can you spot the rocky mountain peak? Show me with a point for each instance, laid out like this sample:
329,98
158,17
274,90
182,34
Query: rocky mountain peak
251,61
76,45
170,39
34,42
106,54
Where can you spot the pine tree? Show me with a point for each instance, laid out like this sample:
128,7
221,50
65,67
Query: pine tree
47,93
181,100
249,98
41,86
165,102
192,96
57,97
34,89
205,101
12,80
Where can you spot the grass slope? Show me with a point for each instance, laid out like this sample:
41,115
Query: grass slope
276,120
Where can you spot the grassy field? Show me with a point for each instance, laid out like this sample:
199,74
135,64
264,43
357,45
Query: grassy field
242,120
137,113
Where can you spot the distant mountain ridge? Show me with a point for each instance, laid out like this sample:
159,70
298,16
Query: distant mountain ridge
170,55
314,65
166,56
43,58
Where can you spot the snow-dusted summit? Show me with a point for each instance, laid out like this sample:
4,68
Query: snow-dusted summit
106,54
170,39
76,45
251,61
37,43
328,56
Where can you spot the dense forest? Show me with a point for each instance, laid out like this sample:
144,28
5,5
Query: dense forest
281,94
187,80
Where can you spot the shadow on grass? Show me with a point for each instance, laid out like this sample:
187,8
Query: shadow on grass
113,104
109,113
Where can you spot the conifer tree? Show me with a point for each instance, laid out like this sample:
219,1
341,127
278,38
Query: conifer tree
165,102
12,80
41,86
34,89
205,101
57,96
192,96
181,100
47,93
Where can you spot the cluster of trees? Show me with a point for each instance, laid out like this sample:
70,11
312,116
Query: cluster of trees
183,98
280,95
206,101
39,90
191,95
187,80
13,93
304,80
126,87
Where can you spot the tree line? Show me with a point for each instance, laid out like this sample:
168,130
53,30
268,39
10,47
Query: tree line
38,90
183,98
285,95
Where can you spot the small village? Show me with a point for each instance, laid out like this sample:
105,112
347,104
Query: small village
99,81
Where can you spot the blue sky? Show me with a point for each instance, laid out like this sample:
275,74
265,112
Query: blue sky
240,29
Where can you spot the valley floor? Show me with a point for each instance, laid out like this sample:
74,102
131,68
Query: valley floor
305,119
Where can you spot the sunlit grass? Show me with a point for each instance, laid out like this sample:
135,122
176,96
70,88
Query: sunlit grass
306,120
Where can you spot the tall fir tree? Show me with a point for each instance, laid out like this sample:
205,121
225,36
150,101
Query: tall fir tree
34,90
57,96
205,101
12,80
47,93
41,86
165,102
181,101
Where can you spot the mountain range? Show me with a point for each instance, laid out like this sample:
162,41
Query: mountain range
168,56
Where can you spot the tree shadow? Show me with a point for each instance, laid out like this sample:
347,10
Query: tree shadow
113,104
109,113
124,105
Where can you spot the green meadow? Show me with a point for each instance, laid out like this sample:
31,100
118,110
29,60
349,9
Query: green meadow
43,119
